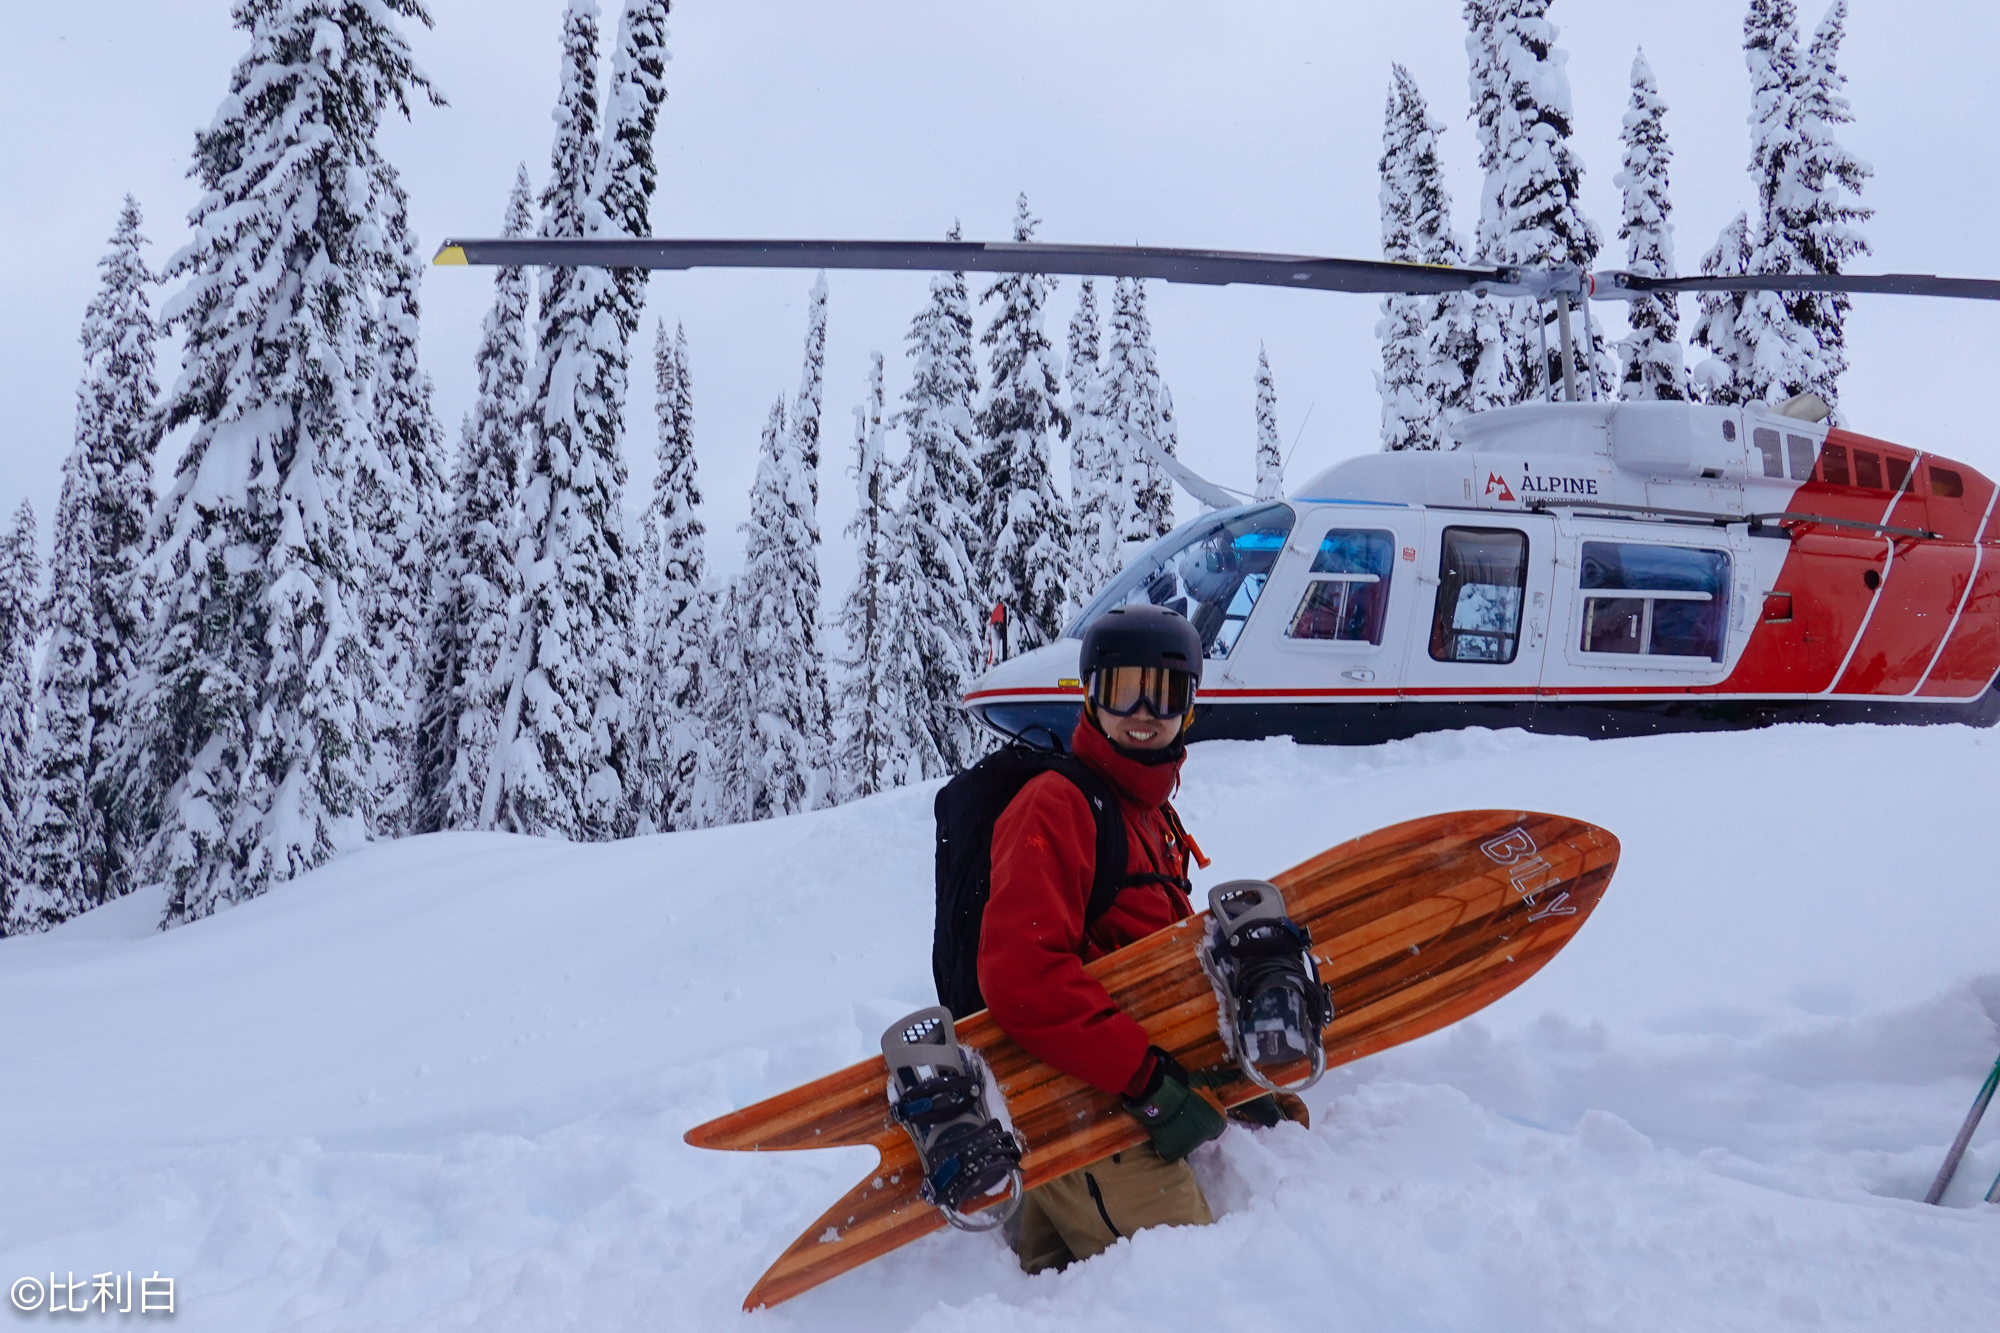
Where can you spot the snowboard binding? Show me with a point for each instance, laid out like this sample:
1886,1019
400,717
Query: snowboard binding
1274,1005
941,1097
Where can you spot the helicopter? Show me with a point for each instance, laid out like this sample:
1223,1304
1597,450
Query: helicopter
1574,567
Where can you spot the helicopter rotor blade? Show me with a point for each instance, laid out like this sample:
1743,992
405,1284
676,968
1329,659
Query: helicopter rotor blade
1212,268
1624,286
1206,267
1200,487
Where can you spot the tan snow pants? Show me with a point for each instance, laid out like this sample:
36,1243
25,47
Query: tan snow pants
1083,1213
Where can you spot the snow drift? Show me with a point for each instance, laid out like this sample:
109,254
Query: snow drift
441,1083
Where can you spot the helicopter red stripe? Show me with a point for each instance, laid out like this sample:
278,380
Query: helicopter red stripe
1965,665
1911,609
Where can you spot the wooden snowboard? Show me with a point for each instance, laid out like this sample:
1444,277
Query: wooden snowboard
1414,926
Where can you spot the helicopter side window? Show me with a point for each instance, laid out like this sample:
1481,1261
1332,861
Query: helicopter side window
1212,571
1799,448
1946,484
1868,470
1773,452
1480,577
1833,466
1658,601
1348,597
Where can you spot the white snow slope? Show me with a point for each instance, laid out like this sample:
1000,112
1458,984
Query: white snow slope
441,1084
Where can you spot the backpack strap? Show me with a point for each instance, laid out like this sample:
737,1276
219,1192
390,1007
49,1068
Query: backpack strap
1108,866
1182,836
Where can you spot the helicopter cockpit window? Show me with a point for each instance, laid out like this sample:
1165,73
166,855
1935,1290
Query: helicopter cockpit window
1348,597
1480,578
1211,571
1659,601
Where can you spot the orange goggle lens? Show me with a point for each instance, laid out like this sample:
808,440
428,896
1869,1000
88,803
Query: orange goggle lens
1120,691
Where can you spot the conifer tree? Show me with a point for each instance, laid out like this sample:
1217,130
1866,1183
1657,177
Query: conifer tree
399,504
941,538
567,766
20,605
727,706
1823,215
254,718
1720,327
1772,348
1652,351
76,848
1486,82
482,578
59,832
1093,466
1476,336
1138,411
1772,345
1535,186
804,425
875,727
677,611
1429,349
1027,570
783,739
1270,448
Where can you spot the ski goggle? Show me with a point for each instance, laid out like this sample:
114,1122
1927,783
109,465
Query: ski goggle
1120,691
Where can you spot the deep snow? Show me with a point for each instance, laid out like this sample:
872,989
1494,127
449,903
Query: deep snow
441,1083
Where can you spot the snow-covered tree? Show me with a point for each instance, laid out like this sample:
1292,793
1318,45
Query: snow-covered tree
727,706
783,741
1482,334
1653,368
1774,349
254,717
941,538
566,765
1772,345
1416,229
1486,82
677,614
875,726
1270,447
1442,356
20,604
1811,222
1534,187
399,504
481,579
76,850
1719,379
59,832
1028,567
804,425
1093,467
1137,409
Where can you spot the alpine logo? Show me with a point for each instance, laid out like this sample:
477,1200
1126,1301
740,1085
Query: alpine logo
1552,485
1496,486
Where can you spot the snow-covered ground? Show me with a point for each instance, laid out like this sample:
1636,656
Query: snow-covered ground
441,1084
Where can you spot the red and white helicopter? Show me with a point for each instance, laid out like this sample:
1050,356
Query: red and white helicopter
1582,568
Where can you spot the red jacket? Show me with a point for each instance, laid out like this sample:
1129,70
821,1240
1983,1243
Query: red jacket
1032,945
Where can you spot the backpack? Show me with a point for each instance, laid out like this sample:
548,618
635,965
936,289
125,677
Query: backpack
967,808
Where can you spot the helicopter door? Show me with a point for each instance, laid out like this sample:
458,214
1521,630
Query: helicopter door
1346,587
1478,640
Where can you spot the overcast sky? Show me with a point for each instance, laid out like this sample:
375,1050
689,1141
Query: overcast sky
1254,127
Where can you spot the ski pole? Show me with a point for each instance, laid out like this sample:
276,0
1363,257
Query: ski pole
1957,1150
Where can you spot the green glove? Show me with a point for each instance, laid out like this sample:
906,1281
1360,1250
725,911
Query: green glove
1176,1117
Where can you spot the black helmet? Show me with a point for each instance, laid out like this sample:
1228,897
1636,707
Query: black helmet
1141,635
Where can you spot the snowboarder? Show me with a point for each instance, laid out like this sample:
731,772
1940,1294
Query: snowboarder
1140,668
